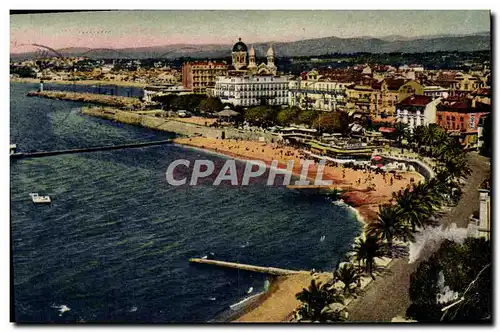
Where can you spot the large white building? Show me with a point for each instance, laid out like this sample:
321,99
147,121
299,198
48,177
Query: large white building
417,111
251,90
318,93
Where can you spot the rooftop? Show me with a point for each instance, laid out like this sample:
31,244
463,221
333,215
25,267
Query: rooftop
416,100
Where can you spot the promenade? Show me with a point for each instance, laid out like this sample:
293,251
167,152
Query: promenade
388,296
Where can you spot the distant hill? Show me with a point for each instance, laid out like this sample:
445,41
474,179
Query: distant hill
308,47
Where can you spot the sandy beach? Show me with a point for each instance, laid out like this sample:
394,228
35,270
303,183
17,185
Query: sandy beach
355,182
279,302
81,82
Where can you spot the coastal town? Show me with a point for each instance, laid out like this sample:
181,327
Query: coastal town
406,146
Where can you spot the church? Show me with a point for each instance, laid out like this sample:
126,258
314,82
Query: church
243,61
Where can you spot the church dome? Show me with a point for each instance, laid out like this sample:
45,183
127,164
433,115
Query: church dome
240,46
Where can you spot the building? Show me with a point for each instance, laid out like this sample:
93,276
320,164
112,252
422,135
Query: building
436,91
252,90
149,92
417,111
483,220
386,94
460,117
244,62
200,75
318,92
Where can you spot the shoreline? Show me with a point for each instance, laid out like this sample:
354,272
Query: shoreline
363,203
82,82
269,306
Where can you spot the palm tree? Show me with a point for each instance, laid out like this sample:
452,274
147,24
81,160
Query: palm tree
315,299
348,274
400,130
360,251
367,250
389,225
411,207
373,250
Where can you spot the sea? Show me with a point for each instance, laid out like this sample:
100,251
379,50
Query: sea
114,244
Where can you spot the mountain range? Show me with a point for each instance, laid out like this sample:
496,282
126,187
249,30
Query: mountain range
308,47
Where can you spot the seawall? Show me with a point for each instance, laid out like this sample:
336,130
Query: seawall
118,101
173,125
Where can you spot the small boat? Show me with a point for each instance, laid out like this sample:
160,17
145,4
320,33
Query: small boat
37,199
322,238
250,290
204,257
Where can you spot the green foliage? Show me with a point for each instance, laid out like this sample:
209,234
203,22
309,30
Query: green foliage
307,117
467,270
315,301
367,250
189,102
348,274
331,122
263,116
24,72
287,116
210,105
390,224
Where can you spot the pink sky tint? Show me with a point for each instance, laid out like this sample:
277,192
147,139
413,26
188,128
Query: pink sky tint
122,29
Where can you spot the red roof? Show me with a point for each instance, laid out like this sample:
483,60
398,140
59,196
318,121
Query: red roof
386,129
395,84
416,100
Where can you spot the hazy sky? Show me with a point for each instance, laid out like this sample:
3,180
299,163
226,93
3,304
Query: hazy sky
150,28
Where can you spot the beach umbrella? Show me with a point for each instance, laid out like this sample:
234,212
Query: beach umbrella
380,165
376,158
227,113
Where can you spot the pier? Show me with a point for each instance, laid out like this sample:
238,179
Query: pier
261,269
119,101
40,154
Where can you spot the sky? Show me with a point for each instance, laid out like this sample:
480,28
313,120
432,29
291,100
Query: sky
120,29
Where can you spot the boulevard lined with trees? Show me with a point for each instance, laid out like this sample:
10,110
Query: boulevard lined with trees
466,267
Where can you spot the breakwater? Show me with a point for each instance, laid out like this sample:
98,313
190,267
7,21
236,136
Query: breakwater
40,154
118,101
173,125
261,269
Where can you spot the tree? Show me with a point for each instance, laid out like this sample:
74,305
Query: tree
367,250
389,225
400,130
331,122
461,271
315,301
287,116
210,105
307,117
348,274
260,115
412,208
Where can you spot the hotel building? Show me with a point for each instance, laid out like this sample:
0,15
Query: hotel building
198,76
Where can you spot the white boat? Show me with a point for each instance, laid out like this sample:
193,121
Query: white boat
250,290
37,199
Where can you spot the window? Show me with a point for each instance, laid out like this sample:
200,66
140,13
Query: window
452,118
462,119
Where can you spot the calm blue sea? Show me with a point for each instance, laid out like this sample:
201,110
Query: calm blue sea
114,244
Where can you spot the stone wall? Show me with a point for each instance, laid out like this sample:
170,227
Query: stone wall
174,126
